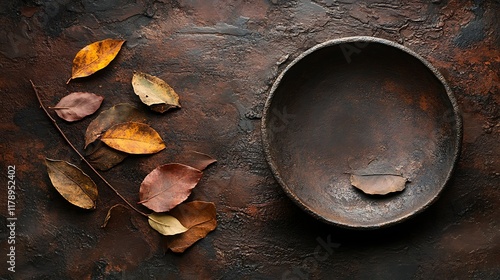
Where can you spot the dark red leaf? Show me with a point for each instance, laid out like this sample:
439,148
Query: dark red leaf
77,105
167,186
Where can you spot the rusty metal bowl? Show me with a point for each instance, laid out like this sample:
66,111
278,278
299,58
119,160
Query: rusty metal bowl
346,103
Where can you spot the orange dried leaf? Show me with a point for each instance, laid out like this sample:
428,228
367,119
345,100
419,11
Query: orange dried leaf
167,186
74,185
95,57
117,114
77,105
155,92
199,217
133,138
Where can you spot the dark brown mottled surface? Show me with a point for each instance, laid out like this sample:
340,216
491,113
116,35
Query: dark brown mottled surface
222,57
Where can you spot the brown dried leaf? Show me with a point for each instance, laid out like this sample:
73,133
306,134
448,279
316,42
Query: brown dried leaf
95,57
133,138
28,11
378,177
155,92
74,185
108,216
103,157
378,183
165,224
77,105
117,114
197,160
167,186
199,217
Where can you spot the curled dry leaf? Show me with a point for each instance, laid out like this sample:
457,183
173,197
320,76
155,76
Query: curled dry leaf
117,114
199,217
74,185
167,186
155,92
133,138
166,224
95,57
103,157
378,183
77,105
378,177
108,216
197,160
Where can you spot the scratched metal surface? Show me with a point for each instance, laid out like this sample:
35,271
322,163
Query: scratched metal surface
222,57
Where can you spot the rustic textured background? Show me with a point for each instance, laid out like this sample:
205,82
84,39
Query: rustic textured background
222,56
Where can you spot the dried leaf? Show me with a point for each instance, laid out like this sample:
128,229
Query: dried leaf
194,213
95,57
28,11
74,185
108,216
378,177
197,160
133,138
117,114
155,92
167,186
166,224
103,157
199,217
77,105
378,183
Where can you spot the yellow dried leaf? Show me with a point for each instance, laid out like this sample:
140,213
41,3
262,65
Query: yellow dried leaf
155,92
95,57
166,224
133,138
120,113
74,185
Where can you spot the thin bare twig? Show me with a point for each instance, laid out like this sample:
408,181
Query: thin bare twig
81,156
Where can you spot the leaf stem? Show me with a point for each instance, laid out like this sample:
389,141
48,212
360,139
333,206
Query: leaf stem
57,108
81,156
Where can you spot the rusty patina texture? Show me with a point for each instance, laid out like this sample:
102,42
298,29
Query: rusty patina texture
222,57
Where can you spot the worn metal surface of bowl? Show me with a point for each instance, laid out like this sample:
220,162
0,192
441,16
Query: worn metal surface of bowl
346,103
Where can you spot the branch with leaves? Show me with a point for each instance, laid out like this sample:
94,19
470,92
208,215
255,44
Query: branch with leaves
119,132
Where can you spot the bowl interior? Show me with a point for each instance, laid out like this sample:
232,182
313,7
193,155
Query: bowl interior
345,105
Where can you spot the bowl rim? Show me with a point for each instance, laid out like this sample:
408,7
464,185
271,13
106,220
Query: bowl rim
360,39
